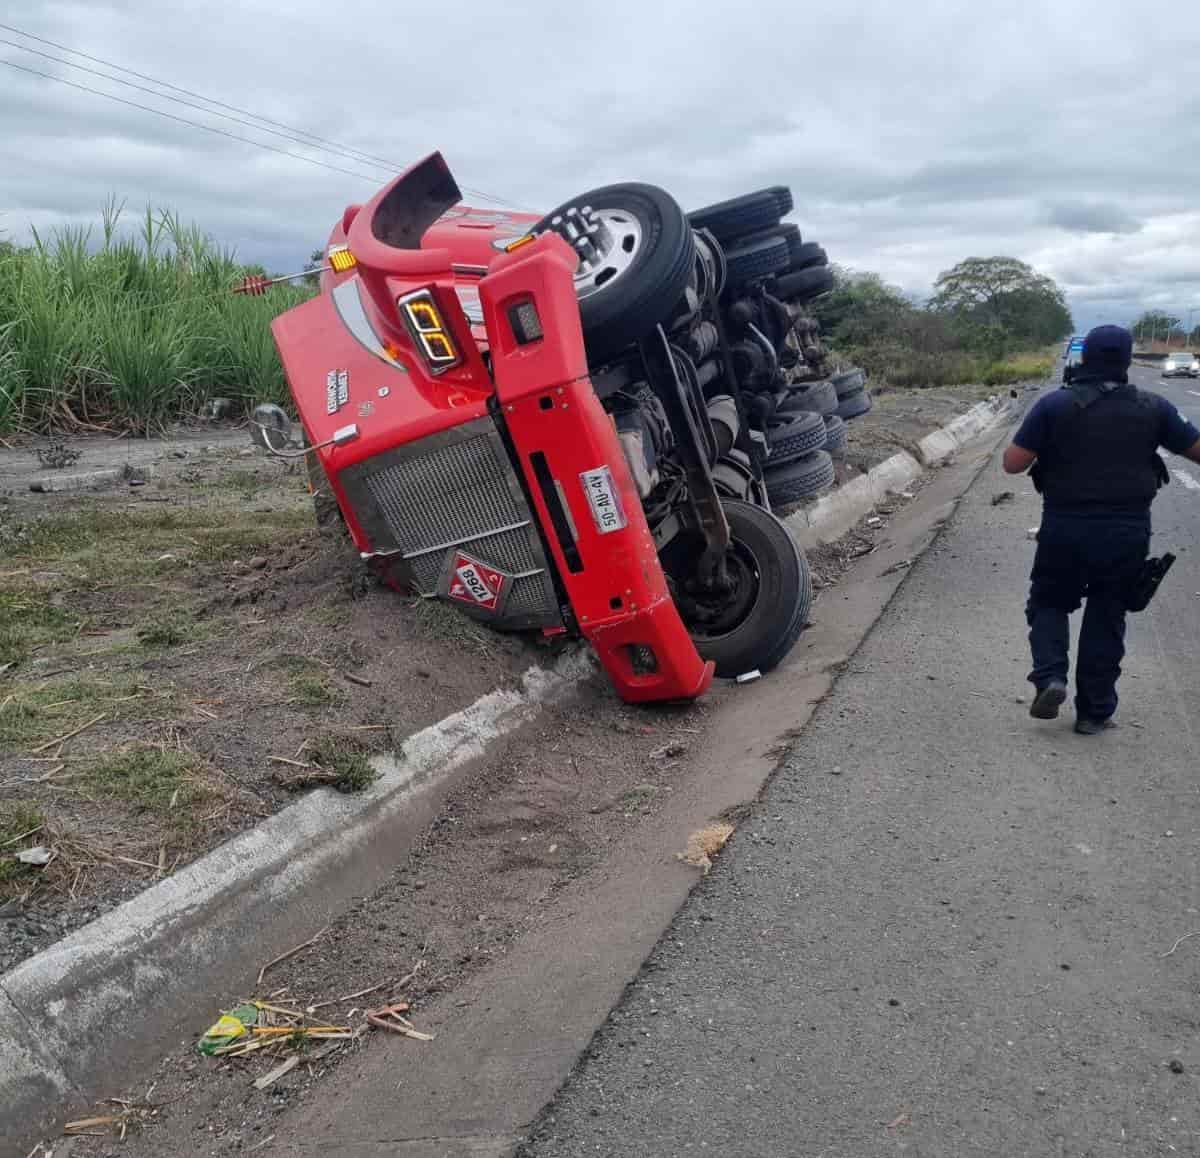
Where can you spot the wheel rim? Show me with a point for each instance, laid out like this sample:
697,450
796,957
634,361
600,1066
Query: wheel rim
607,241
707,619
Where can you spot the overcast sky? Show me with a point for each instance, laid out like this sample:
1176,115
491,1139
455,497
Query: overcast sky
1063,132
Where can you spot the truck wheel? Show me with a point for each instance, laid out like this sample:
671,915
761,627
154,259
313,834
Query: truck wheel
636,253
755,625
805,283
835,436
758,259
854,405
793,481
820,397
738,216
808,255
790,233
801,435
848,382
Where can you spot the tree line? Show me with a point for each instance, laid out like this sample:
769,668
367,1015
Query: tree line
982,313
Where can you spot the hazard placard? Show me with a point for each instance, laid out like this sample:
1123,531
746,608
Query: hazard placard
476,583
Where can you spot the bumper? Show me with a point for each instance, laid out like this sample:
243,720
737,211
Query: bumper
576,475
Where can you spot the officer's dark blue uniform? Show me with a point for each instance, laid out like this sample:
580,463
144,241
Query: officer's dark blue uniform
1098,469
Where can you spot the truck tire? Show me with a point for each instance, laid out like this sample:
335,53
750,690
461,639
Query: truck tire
758,259
819,397
789,232
637,275
796,480
796,438
756,627
849,382
804,284
728,220
835,436
854,405
808,255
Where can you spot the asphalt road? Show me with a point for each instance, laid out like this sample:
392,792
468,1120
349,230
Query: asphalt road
946,929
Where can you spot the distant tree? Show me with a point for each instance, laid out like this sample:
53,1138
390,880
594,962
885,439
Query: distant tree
860,307
1001,303
1156,325
316,259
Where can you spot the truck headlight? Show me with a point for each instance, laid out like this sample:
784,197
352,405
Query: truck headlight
429,331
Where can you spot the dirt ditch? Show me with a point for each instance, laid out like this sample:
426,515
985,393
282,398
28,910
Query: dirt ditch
177,660
182,654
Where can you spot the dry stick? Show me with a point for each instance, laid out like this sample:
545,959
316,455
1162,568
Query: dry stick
406,1031
355,679
69,735
21,836
410,975
291,953
128,860
284,1067
1179,942
360,993
285,760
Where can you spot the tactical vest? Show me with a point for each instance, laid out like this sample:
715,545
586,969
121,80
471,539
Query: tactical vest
1103,452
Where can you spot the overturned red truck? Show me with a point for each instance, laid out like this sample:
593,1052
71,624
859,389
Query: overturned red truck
563,424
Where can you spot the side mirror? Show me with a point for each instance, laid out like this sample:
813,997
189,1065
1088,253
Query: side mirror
270,427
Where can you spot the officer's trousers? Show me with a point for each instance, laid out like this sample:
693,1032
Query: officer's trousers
1084,557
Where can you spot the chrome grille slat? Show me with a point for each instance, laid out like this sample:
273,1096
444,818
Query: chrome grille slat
456,490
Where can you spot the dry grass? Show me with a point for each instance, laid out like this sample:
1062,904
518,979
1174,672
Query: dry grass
705,843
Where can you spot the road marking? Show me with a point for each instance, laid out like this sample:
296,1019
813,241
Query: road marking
1186,479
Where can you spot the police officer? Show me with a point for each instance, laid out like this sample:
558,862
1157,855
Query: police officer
1093,447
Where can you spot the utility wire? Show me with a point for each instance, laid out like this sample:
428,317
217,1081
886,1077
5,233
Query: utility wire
199,96
185,121
331,146
199,107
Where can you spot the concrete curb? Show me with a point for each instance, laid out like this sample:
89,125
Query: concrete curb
88,480
832,515
69,1016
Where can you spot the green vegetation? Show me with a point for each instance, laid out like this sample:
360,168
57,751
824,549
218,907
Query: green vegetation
159,780
305,682
163,631
32,714
1156,329
345,761
99,545
17,821
27,620
985,317
131,331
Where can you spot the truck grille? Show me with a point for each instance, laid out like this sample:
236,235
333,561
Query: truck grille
454,490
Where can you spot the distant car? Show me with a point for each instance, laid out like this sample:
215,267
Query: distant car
1181,365
1072,358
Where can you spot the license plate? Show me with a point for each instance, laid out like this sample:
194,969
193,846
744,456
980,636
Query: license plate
603,499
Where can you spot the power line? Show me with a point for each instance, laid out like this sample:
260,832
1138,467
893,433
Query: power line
334,146
185,121
192,105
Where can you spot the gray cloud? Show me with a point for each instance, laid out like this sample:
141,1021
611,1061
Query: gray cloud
910,139
1091,217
